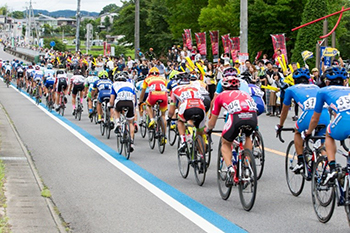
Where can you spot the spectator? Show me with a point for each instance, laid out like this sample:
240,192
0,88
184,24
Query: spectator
130,63
210,80
317,80
150,54
236,66
160,67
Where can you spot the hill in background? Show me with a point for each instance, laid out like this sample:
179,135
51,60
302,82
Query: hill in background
65,13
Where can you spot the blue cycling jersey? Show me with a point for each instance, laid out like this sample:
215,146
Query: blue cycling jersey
337,97
139,87
103,85
303,94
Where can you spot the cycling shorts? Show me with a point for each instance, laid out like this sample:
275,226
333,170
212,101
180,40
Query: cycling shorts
153,98
304,121
103,95
61,84
235,121
49,83
20,75
339,128
77,87
126,103
8,72
190,112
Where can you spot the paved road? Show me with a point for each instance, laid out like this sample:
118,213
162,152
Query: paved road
94,195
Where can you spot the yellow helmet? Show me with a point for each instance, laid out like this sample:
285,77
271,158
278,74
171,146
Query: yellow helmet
154,71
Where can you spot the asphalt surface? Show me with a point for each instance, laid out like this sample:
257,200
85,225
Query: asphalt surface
94,196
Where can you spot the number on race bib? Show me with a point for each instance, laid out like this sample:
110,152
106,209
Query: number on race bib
310,103
234,107
343,103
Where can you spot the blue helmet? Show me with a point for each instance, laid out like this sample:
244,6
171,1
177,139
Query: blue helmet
335,72
301,75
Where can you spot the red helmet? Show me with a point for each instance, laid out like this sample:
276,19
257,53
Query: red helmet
230,82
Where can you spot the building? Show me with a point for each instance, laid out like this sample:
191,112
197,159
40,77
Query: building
109,15
44,19
61,21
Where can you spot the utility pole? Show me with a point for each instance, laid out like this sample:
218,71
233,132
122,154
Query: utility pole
137,27
77,41
244,27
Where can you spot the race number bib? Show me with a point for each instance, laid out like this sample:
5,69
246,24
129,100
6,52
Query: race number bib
343,103
234,107
125,95
188,95
310,103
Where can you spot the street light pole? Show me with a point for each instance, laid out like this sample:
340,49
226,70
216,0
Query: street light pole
137,27
244,26
77,41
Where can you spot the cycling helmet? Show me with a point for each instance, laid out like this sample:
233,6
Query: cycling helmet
93,73
301,75
193,77
49,66
37,67
184,78
230,71
120,77
103,74
78,72
17,61
230,82
21,63
154,71
335,75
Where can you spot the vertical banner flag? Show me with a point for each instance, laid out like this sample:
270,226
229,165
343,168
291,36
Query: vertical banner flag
104,48
188,37
327,59
226,43
214,39
235,47
279,42
258,55
201,43
183,40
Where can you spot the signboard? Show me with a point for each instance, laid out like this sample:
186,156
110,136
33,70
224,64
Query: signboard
52,43
327,60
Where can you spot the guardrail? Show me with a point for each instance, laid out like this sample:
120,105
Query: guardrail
25,54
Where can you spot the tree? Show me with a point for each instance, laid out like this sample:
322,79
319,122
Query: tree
107,22
307,37
110,8
18,14
3,10
59,45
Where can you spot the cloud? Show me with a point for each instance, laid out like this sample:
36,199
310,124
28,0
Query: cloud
54,5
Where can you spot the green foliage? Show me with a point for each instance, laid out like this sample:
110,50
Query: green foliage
3,10
59,45
46,193
110,8
307,37
18,14
47,29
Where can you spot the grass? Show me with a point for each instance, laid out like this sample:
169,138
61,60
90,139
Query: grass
4,225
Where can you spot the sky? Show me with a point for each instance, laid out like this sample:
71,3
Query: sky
54,5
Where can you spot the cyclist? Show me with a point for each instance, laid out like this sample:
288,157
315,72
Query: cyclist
20,74
38,78
49,78
8,69
157,92
123,95
103,86
89,83
61,86
189,101
76,85
337,96
241,110
304,94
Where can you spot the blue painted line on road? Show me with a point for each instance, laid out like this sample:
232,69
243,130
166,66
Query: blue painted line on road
203,211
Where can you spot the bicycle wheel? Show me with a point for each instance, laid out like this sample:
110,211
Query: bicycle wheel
143,127
258,153
323,196
200,160
222,175
347,198
151,138
295,181
108,129
209,149
119,143
183,161
248,183
172,135
161,135
95,116
127,141
102,128
79,112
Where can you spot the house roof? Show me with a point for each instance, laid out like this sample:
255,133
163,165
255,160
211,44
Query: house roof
45,17
65,19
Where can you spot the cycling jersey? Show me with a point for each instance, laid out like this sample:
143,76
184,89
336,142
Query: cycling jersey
77,80
38,75
157,91
257,94
104,87
61,82
49,72
123,91
337,98
89,82
305,96
20,72
243,86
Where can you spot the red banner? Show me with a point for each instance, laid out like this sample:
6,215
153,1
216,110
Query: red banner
188,37
279,42
214,39
235,47
183,40
201,43
226,43
258,55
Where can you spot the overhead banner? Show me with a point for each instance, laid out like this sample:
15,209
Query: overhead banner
188,37
279,42
226,43
201,43
235,47
214,39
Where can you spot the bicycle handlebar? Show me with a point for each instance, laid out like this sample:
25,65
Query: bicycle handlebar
284,129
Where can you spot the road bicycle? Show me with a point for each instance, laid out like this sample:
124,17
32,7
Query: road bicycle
143,121
49,99
157,131
123,134
245,175
296,179
324,196
193,154
62,102
106,125
172,131
79,108
93,115
37,92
